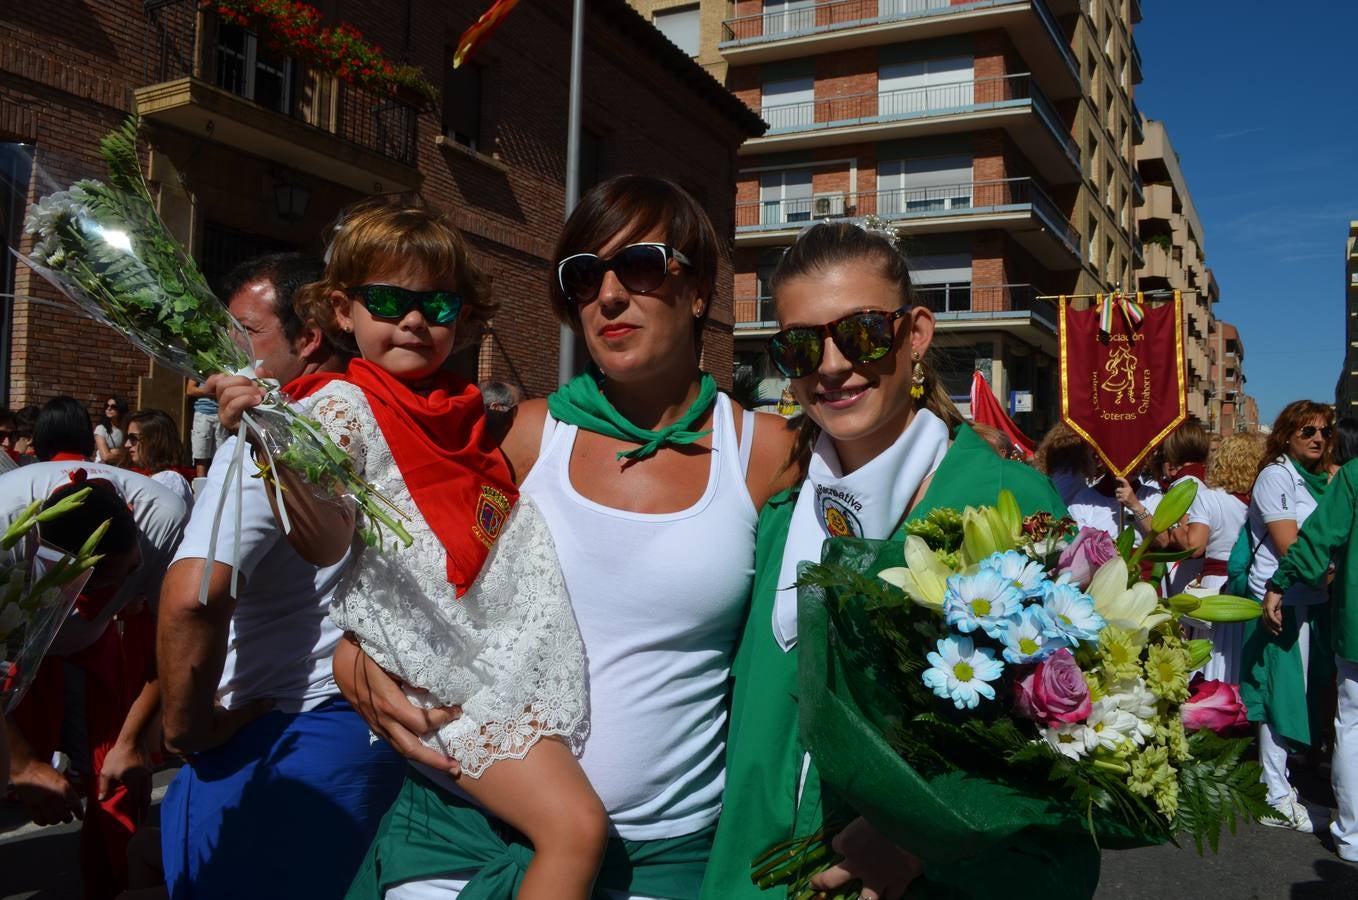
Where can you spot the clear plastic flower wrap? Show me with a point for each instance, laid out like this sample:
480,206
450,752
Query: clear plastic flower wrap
104,247
38,588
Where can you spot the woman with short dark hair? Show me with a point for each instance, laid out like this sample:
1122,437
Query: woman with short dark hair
63,431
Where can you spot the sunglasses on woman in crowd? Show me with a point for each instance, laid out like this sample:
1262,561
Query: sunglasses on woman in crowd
861,337
387,301
640,267
1309,431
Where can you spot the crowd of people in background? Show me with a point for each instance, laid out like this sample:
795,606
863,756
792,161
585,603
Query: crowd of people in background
277,738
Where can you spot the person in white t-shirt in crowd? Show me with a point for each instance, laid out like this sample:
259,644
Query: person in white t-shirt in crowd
282,789
146,523
1209,530
1112,504
1066,459
154,450
1283,677
110,433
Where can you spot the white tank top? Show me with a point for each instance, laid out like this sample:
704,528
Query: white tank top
661,600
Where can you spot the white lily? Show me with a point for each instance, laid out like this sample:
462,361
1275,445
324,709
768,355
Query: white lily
1134,608
924,577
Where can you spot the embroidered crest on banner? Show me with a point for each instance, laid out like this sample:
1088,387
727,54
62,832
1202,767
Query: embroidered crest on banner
838,511
492,510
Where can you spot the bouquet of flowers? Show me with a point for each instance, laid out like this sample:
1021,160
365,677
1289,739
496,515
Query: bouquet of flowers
1013,675
105,248
38,587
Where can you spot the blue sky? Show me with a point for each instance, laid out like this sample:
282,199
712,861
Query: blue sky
1261,102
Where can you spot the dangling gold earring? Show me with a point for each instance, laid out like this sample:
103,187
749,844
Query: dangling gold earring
917,378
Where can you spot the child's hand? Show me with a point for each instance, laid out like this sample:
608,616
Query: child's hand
236,395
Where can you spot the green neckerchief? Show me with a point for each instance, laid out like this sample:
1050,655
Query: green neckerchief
1315,481
580,402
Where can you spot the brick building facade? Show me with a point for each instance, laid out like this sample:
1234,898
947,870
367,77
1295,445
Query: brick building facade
249,152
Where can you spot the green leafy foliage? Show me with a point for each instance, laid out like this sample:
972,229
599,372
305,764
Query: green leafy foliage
1216,787
104,246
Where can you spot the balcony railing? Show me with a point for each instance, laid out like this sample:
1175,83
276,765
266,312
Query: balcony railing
839,15
973,95
190,41
962,300
971,198
1138,129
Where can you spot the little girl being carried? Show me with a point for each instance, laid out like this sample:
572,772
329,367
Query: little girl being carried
475,612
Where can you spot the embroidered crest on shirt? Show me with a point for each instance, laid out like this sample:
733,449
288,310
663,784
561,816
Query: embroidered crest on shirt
492,510
838,512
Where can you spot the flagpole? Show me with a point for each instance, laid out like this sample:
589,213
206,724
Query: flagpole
565,364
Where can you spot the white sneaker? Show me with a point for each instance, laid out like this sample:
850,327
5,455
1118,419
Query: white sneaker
1294,815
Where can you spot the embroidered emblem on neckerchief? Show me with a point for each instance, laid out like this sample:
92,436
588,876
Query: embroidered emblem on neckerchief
838,512
492,510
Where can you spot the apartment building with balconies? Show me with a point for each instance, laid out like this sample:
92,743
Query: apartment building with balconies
1346,392
1231,409
995,135
250,151
1170,238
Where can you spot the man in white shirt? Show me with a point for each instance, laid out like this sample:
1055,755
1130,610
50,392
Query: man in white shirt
146,523
283,789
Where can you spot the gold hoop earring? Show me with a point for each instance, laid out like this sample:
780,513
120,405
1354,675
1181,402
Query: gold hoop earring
917,378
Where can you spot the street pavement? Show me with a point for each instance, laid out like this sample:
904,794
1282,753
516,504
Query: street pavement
1257,863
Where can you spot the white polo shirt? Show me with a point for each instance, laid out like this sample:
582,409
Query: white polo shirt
281,636
159,515
1279,494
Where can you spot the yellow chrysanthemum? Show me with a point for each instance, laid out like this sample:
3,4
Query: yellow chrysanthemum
1150,769
1167,796
1119,653
1167,672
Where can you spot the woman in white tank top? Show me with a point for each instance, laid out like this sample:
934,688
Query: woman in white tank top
651,483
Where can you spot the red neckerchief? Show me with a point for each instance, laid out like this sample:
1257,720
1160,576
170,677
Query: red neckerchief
304,386
13,454
63,456
455,474
1195,470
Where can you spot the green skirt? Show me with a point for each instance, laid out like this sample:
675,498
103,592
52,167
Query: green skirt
1272,684
430,833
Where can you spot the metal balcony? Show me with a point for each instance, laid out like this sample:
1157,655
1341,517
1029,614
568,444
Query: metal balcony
844,24
205,76
1018,205
1012,102
963,305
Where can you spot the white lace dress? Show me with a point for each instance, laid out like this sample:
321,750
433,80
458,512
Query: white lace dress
508,651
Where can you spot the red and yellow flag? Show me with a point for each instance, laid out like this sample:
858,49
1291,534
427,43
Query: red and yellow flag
481,31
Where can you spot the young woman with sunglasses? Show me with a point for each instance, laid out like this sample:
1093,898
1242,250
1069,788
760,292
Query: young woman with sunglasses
1284,676
110,433
884,445
650,480
154,449
474,611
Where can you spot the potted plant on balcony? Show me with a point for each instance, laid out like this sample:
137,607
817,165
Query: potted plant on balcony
298,30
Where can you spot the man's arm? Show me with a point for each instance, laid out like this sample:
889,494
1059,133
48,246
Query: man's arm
191,640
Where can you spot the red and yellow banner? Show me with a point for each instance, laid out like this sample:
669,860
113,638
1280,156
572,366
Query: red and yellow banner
1122,389
481,30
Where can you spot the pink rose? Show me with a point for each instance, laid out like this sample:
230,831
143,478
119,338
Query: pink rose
1054,692
1215,705
1091,548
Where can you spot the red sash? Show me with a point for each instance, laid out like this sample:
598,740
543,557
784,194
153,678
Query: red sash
455,473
